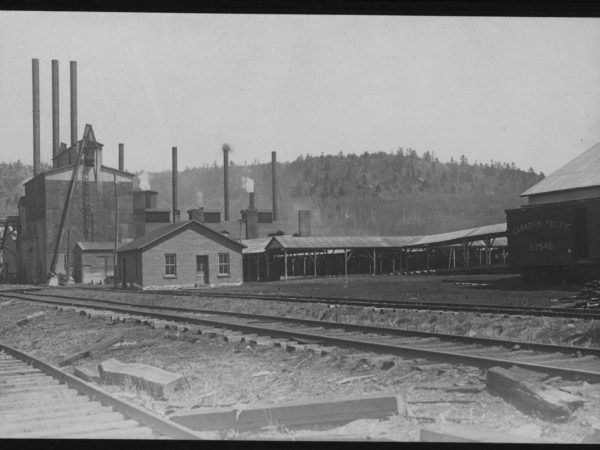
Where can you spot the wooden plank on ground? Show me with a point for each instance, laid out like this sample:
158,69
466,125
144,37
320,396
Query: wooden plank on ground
157,382
450,432
293,415
532,396
26,320
92,348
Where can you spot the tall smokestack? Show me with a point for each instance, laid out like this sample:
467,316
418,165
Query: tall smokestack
55,114
304,219
274,179
251,200
73,102
35,69
226,150
121,157
174,177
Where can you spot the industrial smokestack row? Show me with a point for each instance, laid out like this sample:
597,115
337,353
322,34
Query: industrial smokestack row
226,150
251,218
174,177
73,102
274,179
304,222
121,157
35,68
55,114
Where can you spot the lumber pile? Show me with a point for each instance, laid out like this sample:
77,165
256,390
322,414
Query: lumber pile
157,382
532,396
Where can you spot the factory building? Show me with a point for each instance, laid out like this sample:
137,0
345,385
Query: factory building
184,254
554,235
79,200
9,250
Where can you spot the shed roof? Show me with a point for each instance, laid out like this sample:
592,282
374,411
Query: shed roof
339,242
255,245
581,172
469,234
155,235
95,246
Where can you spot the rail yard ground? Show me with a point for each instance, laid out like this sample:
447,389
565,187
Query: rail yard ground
228,374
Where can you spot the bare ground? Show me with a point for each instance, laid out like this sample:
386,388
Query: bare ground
225,374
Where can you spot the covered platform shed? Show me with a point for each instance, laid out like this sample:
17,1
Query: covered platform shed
480,246
291,256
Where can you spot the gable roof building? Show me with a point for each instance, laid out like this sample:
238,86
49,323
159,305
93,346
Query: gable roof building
579,179
183,254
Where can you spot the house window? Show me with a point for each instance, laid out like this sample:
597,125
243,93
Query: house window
170,265
223,264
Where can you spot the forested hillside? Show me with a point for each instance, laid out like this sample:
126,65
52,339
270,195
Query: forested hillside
373,193
12,176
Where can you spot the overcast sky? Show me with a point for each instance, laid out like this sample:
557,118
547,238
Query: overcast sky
522,90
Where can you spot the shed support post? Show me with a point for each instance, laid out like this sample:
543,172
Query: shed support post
285,270
345,262
268,264
258,267
427,258
394,264
304,265
315,262
374,262
466,247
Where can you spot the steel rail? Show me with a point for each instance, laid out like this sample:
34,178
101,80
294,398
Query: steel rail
146,418
348,326
576,313
377,346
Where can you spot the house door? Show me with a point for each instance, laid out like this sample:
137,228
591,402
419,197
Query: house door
202,269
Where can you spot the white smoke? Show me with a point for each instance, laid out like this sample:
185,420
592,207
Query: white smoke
144,179
199,199
248,184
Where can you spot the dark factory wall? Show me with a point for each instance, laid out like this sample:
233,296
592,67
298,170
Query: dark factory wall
101,221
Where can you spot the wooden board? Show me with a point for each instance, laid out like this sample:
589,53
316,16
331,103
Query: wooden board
157,382
293,415
532,396
88,350
449,432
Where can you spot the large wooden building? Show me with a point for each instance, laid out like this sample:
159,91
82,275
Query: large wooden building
184,254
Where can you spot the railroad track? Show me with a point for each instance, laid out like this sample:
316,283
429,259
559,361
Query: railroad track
558,311
559,360
38,400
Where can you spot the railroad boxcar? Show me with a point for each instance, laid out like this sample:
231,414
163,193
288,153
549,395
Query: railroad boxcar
555,241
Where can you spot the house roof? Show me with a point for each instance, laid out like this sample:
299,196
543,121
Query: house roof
581,172
95,246
162,232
